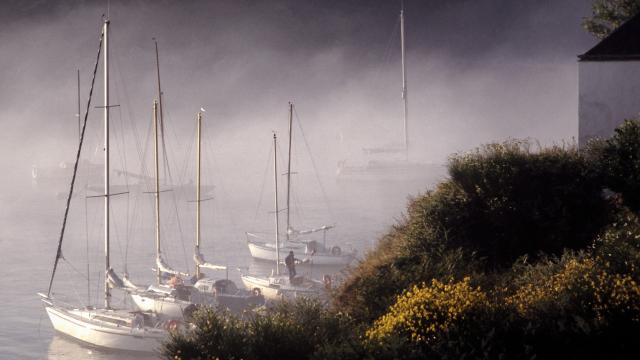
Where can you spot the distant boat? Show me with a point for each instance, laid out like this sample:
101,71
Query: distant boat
312,251
390,162
104,327
279,286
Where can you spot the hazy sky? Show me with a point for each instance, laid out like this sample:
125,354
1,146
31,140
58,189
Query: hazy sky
478,71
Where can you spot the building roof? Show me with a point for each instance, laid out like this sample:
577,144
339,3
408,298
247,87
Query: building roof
622,44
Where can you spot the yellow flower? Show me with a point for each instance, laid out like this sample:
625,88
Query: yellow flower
425,311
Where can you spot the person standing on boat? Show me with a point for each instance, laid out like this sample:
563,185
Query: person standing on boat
290,262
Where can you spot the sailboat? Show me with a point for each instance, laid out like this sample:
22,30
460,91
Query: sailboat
177,300
169,301
103,327
280,286
314,252
391,163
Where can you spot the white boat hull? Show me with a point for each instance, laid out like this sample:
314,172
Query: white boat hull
166,306
78,325
273,291
267,252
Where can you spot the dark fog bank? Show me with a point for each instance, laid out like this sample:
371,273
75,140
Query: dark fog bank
478,71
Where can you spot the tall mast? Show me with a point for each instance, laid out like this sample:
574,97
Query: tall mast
157,192
404,84
158,75
78,115
107,293
164,149
289,170
198,163
275,179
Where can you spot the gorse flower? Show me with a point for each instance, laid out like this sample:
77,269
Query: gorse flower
425,311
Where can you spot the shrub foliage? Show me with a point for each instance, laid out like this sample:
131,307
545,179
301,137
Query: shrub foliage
519,254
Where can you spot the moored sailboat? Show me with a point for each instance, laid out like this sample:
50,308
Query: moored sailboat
392,162
279,286
176,300
107,327
312,251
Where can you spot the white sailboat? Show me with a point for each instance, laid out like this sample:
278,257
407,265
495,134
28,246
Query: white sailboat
224,292
104,327
177,300
163,299
312,251
391,163
279,286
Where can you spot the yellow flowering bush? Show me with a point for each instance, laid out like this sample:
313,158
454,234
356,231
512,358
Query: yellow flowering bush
423,312
583,287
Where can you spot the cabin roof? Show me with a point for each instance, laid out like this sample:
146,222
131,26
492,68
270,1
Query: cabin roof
622,44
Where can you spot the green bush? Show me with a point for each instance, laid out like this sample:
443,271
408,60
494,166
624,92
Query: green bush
618,160
290,330
522,202
517,255
502,201
216,335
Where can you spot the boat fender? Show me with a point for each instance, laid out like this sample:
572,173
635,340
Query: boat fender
327,281
336,251
172,325
256,291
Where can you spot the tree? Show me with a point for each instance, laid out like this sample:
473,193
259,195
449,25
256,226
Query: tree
608,15
618,159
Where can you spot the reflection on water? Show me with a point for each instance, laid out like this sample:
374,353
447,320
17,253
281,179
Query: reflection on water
65,348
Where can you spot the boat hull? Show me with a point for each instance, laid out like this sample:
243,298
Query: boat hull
275,292
77,325
262,251
168,307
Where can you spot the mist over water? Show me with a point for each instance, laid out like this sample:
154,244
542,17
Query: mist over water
477,72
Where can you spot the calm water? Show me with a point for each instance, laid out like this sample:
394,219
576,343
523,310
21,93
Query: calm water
31,216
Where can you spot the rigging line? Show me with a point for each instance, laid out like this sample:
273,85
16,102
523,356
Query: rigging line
175,203
218,186
165,158
189,154
184,249
75,168
264,181
75,269
123,85
126,182
86,233
115,230
73,288
387,52
313,163
127,234
139,149
132,125
121,153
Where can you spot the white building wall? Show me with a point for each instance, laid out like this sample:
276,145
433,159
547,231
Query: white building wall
609,93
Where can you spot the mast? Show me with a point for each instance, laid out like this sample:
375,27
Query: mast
157,192
107,293
275,179
164,148
289,170
198,162
404,84
79,121
158,75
